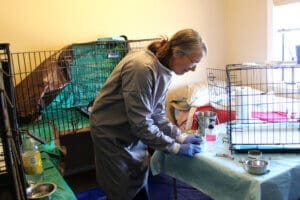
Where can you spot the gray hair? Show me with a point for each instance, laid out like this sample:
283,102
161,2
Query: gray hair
184,41
187,40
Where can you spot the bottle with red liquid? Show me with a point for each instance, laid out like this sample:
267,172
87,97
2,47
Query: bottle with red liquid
210,136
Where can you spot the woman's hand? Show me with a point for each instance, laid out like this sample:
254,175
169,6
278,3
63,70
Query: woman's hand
189,149
192,139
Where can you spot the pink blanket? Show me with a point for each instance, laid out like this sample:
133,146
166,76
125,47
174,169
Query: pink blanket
273,116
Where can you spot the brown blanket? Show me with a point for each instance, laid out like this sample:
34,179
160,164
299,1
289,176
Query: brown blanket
42,84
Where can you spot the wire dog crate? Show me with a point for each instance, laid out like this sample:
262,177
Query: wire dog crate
217,87
262,107
54,89
12,178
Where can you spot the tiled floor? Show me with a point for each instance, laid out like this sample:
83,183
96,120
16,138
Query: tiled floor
161,187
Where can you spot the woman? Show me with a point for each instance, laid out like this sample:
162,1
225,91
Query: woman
128,115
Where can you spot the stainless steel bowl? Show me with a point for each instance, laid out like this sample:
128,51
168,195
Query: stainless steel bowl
40,190
257,167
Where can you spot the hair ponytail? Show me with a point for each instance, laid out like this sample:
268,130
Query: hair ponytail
155,46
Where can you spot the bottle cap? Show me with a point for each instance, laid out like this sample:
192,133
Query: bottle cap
210,126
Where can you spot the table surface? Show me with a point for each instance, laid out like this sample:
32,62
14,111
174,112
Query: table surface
223,178
51,174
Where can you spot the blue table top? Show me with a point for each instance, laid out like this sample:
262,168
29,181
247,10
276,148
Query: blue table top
223,178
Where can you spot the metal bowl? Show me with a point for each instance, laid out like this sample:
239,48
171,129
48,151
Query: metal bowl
257,167
40,190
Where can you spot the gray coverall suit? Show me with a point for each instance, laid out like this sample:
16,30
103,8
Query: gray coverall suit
127,116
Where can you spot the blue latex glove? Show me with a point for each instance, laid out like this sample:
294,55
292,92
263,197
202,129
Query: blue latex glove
189,149
192,139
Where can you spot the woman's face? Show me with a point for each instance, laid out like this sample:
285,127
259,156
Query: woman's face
181,63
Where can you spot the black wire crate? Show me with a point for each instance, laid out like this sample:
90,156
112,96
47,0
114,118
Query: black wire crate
217,87
12,178
265,100
55,89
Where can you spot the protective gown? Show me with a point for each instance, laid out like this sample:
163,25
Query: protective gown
127,116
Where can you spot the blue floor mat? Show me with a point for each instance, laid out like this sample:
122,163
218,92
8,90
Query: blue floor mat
160,188
91,194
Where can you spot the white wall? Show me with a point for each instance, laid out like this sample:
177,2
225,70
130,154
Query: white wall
247,30
52,24
234,30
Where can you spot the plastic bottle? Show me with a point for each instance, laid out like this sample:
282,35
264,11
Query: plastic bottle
210,138
32,161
